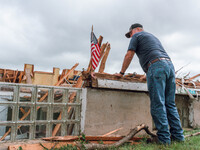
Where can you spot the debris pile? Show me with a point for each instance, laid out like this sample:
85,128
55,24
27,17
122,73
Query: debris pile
29,76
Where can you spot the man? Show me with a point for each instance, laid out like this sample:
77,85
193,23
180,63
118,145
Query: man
160,81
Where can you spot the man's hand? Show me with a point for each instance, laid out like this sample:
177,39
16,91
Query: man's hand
93,75
118,75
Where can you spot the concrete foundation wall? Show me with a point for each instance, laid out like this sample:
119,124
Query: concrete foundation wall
108,110
196,114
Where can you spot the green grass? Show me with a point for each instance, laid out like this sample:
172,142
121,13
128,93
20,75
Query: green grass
191,143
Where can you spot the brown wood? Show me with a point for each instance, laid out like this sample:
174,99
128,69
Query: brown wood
71,99
53,145
4,75
102,51
20,76
89,81
103,61
50,145
22,110
194,134
194,77
111,132
100,39
72,69
10,78
117,144
109,138
41,99
7,77
15,77
89,138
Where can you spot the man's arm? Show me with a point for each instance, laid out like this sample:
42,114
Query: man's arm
127,60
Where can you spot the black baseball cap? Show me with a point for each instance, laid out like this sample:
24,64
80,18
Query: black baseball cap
131,28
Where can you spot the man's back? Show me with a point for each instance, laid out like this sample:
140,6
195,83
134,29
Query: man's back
147,48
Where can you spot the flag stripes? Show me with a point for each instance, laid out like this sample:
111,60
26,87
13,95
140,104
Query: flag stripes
95,51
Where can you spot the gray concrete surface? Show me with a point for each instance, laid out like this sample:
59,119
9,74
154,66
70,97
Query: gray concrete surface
107,110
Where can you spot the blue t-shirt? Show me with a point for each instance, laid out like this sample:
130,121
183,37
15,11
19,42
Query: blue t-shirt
147,47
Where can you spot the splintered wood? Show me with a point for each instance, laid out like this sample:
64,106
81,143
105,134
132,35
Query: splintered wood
60,141
13,76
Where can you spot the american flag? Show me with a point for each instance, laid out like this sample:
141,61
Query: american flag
95,51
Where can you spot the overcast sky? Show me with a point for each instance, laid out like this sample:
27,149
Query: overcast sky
56,33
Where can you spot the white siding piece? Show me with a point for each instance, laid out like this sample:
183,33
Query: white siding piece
113,84
135,86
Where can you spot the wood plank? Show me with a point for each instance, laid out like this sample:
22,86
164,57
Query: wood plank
53,145
71,99
15,76
38,146
20,76
87,76
111,132
103,47
100,39
90,138
194,77
7,77
103,62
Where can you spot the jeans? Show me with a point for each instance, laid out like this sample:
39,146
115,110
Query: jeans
162,87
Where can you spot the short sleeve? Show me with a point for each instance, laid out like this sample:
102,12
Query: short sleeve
133,43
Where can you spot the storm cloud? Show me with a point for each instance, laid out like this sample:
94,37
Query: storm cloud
52,33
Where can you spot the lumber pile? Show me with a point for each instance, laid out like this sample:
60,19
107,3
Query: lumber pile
13,76
188,82
29,76
87,142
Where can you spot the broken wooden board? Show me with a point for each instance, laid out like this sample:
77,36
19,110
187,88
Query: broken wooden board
95,82
38,146
89,138
103,61
87,76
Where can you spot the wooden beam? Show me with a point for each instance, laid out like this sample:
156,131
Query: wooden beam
103,62
100,39
89,138
20,76
15,76
39,146
102,50
86,76
111,132
71,99
194,77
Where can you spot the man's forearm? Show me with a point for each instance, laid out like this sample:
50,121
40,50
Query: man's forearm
127,60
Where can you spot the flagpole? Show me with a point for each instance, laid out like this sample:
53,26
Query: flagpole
91,51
